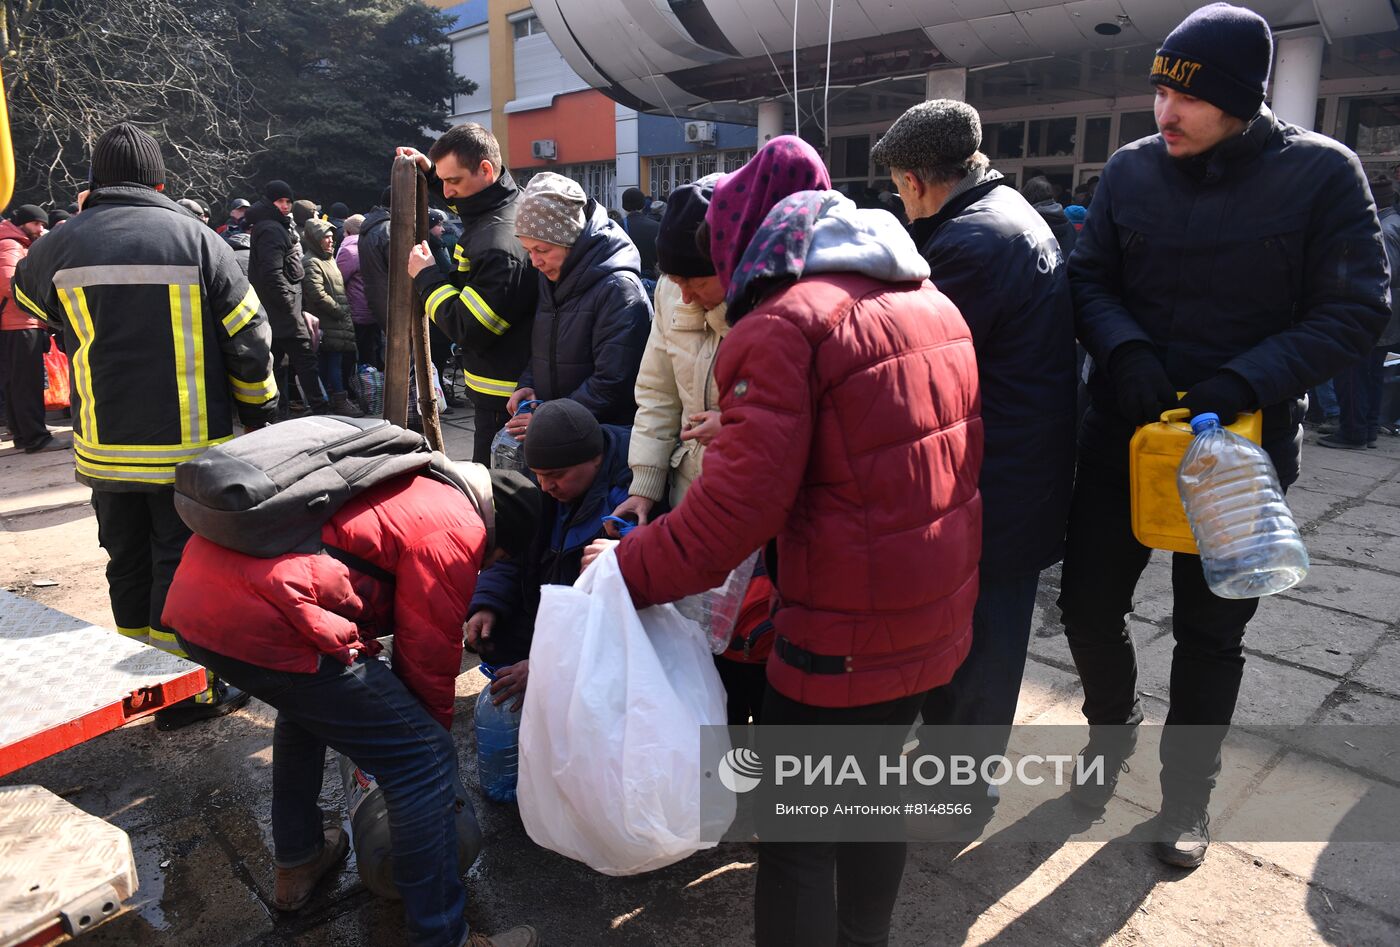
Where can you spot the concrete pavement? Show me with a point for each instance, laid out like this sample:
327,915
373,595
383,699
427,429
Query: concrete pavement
195,802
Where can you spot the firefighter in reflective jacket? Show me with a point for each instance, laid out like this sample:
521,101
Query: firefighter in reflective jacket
167,340
488,306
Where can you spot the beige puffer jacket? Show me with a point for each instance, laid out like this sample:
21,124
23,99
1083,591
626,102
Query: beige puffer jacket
676,380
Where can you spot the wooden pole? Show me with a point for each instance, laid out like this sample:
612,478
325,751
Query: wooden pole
422,348
403,213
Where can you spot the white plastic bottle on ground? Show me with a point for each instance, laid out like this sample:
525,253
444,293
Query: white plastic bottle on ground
1246,534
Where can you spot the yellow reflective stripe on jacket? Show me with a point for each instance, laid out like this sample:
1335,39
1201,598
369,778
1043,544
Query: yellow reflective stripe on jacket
243,313
463,264
27,303
489,386
166,641
436,298
130,474
254,392
75,304
188,328
484,313
150,454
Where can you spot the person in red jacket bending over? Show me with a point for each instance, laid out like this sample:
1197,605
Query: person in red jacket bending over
299,632
850,431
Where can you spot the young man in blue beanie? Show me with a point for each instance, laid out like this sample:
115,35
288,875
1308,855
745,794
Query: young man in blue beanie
1238,259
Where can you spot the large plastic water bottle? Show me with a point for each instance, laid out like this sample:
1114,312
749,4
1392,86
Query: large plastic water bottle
507,450
369,829
1248,540
497,743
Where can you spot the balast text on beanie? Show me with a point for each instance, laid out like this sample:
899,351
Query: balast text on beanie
1220,53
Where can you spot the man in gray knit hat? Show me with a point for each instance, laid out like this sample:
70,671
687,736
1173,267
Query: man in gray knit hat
968,225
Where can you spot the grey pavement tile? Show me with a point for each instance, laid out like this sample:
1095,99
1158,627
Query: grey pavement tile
1324,802
1043,687
1317,638
1372,516
1350,589
1350,543
1376,464
1382,669
1339,483
1388,491
1309,506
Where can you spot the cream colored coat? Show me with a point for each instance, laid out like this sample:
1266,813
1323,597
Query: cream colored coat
676,380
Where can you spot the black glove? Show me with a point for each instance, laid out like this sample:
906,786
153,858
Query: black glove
1144,391
1224,393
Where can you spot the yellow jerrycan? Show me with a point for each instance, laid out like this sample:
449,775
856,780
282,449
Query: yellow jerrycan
1154,456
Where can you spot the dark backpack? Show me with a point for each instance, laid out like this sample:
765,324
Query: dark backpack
269,492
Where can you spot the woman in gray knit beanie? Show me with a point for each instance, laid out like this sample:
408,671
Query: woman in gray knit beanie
549,220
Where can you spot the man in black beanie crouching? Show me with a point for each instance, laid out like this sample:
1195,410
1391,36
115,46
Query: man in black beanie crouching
582,471
1238,259
169,344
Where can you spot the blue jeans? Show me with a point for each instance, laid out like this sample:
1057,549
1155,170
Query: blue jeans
1359,395
984,690
366,713
336,368
1325,395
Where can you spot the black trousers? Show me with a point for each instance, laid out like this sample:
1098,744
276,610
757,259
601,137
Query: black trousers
794,902
294,356
369,342
144,538
22,354
744,688
490,416
1103,561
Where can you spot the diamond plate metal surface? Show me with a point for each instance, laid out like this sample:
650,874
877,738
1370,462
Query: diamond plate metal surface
51,855
58,668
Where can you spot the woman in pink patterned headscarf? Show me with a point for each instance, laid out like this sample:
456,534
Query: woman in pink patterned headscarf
851,439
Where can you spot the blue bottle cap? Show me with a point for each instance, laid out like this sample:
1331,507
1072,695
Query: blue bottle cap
1204,422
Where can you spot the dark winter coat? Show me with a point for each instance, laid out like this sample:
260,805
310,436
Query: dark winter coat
487,306
1263,259
275,268
374,263
285,613
242,246
1053,213
323,291
1390,230
644,229
181,341
511,588
1022,326
591,326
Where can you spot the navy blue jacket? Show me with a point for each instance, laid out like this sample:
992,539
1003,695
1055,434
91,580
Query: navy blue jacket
994,256
512,588
592,325
1263,258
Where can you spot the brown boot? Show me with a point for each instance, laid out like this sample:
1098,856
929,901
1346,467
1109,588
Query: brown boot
343,406
294,885
522,936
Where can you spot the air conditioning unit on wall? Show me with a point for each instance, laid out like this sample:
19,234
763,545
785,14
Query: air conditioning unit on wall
700,133
543,148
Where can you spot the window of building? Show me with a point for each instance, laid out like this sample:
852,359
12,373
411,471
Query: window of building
1051,137
734,160
1096,131
850,157
597,178
1135,125
669,172
1370,125
529,26
1004,140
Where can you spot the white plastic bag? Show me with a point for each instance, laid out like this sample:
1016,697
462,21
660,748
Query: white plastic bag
610,768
